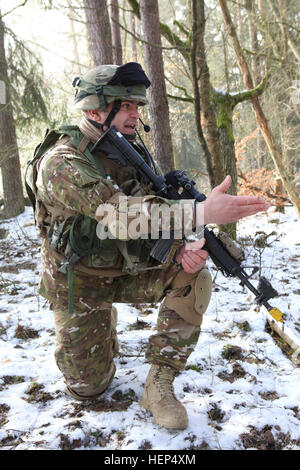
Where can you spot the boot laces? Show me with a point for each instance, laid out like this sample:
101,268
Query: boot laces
165,377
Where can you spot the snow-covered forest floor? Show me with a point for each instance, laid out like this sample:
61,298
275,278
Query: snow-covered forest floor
240,388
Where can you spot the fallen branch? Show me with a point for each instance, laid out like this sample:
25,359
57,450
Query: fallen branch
288,337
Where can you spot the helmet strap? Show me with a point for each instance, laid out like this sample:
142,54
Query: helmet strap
96,124
115,109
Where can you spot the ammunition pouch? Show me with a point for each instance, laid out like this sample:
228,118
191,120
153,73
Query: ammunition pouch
77,235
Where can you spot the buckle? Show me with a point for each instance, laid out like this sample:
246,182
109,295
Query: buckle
76,81
99,89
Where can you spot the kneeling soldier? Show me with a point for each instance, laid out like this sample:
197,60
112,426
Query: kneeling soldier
69,184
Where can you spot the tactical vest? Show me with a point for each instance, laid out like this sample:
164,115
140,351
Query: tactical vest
72,236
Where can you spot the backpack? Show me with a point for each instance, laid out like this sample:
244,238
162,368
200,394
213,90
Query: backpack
81,230
50,139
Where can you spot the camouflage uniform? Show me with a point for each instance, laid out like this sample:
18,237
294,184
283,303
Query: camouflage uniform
68,185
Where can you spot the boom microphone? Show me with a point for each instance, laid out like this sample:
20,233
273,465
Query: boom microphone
146,127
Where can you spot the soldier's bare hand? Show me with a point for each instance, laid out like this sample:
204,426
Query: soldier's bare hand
222,208
191,257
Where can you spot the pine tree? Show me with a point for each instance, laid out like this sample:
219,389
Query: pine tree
9,156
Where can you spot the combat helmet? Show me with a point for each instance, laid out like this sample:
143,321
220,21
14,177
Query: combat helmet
106,83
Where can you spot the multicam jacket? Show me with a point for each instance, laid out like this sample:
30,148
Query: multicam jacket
68,185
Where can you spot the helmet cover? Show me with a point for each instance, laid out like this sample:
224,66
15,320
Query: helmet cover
106,83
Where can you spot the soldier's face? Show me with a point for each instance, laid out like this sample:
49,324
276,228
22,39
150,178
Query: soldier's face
125,120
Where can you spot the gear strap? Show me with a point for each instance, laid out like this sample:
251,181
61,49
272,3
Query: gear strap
116,108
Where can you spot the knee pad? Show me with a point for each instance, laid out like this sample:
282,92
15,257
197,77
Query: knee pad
189,295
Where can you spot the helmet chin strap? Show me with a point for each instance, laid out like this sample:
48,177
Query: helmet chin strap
115,109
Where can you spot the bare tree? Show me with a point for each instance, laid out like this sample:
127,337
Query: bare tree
9,154
159,108
278,13
99,31
133,40
258,111
116,33
216,107
74,38
200,74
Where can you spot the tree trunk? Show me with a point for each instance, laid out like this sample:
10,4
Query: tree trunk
239,19
159,108
187,51
195,64
9,154
99,31
259,114
133,40
224,106
213,138
183,150
256,69
74,38
255,62
116,34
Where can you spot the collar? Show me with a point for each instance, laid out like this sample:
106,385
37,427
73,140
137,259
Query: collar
90,130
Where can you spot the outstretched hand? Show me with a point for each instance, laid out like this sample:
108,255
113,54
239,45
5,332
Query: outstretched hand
222,208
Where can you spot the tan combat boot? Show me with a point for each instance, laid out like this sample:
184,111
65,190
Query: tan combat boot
160,400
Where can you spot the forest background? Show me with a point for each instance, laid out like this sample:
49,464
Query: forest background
225,94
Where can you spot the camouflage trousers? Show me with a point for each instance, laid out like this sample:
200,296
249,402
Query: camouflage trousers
86,339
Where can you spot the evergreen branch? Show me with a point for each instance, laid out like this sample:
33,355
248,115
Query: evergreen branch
21,44
26,82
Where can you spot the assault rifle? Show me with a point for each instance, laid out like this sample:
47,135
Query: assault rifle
175,185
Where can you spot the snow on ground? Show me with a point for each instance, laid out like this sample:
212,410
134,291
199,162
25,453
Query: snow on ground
240,389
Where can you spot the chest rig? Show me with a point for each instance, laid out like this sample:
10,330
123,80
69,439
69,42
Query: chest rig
73,236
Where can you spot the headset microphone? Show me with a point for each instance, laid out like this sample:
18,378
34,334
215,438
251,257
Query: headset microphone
146,128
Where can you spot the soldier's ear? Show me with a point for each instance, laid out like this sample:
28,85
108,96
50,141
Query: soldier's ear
95,115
